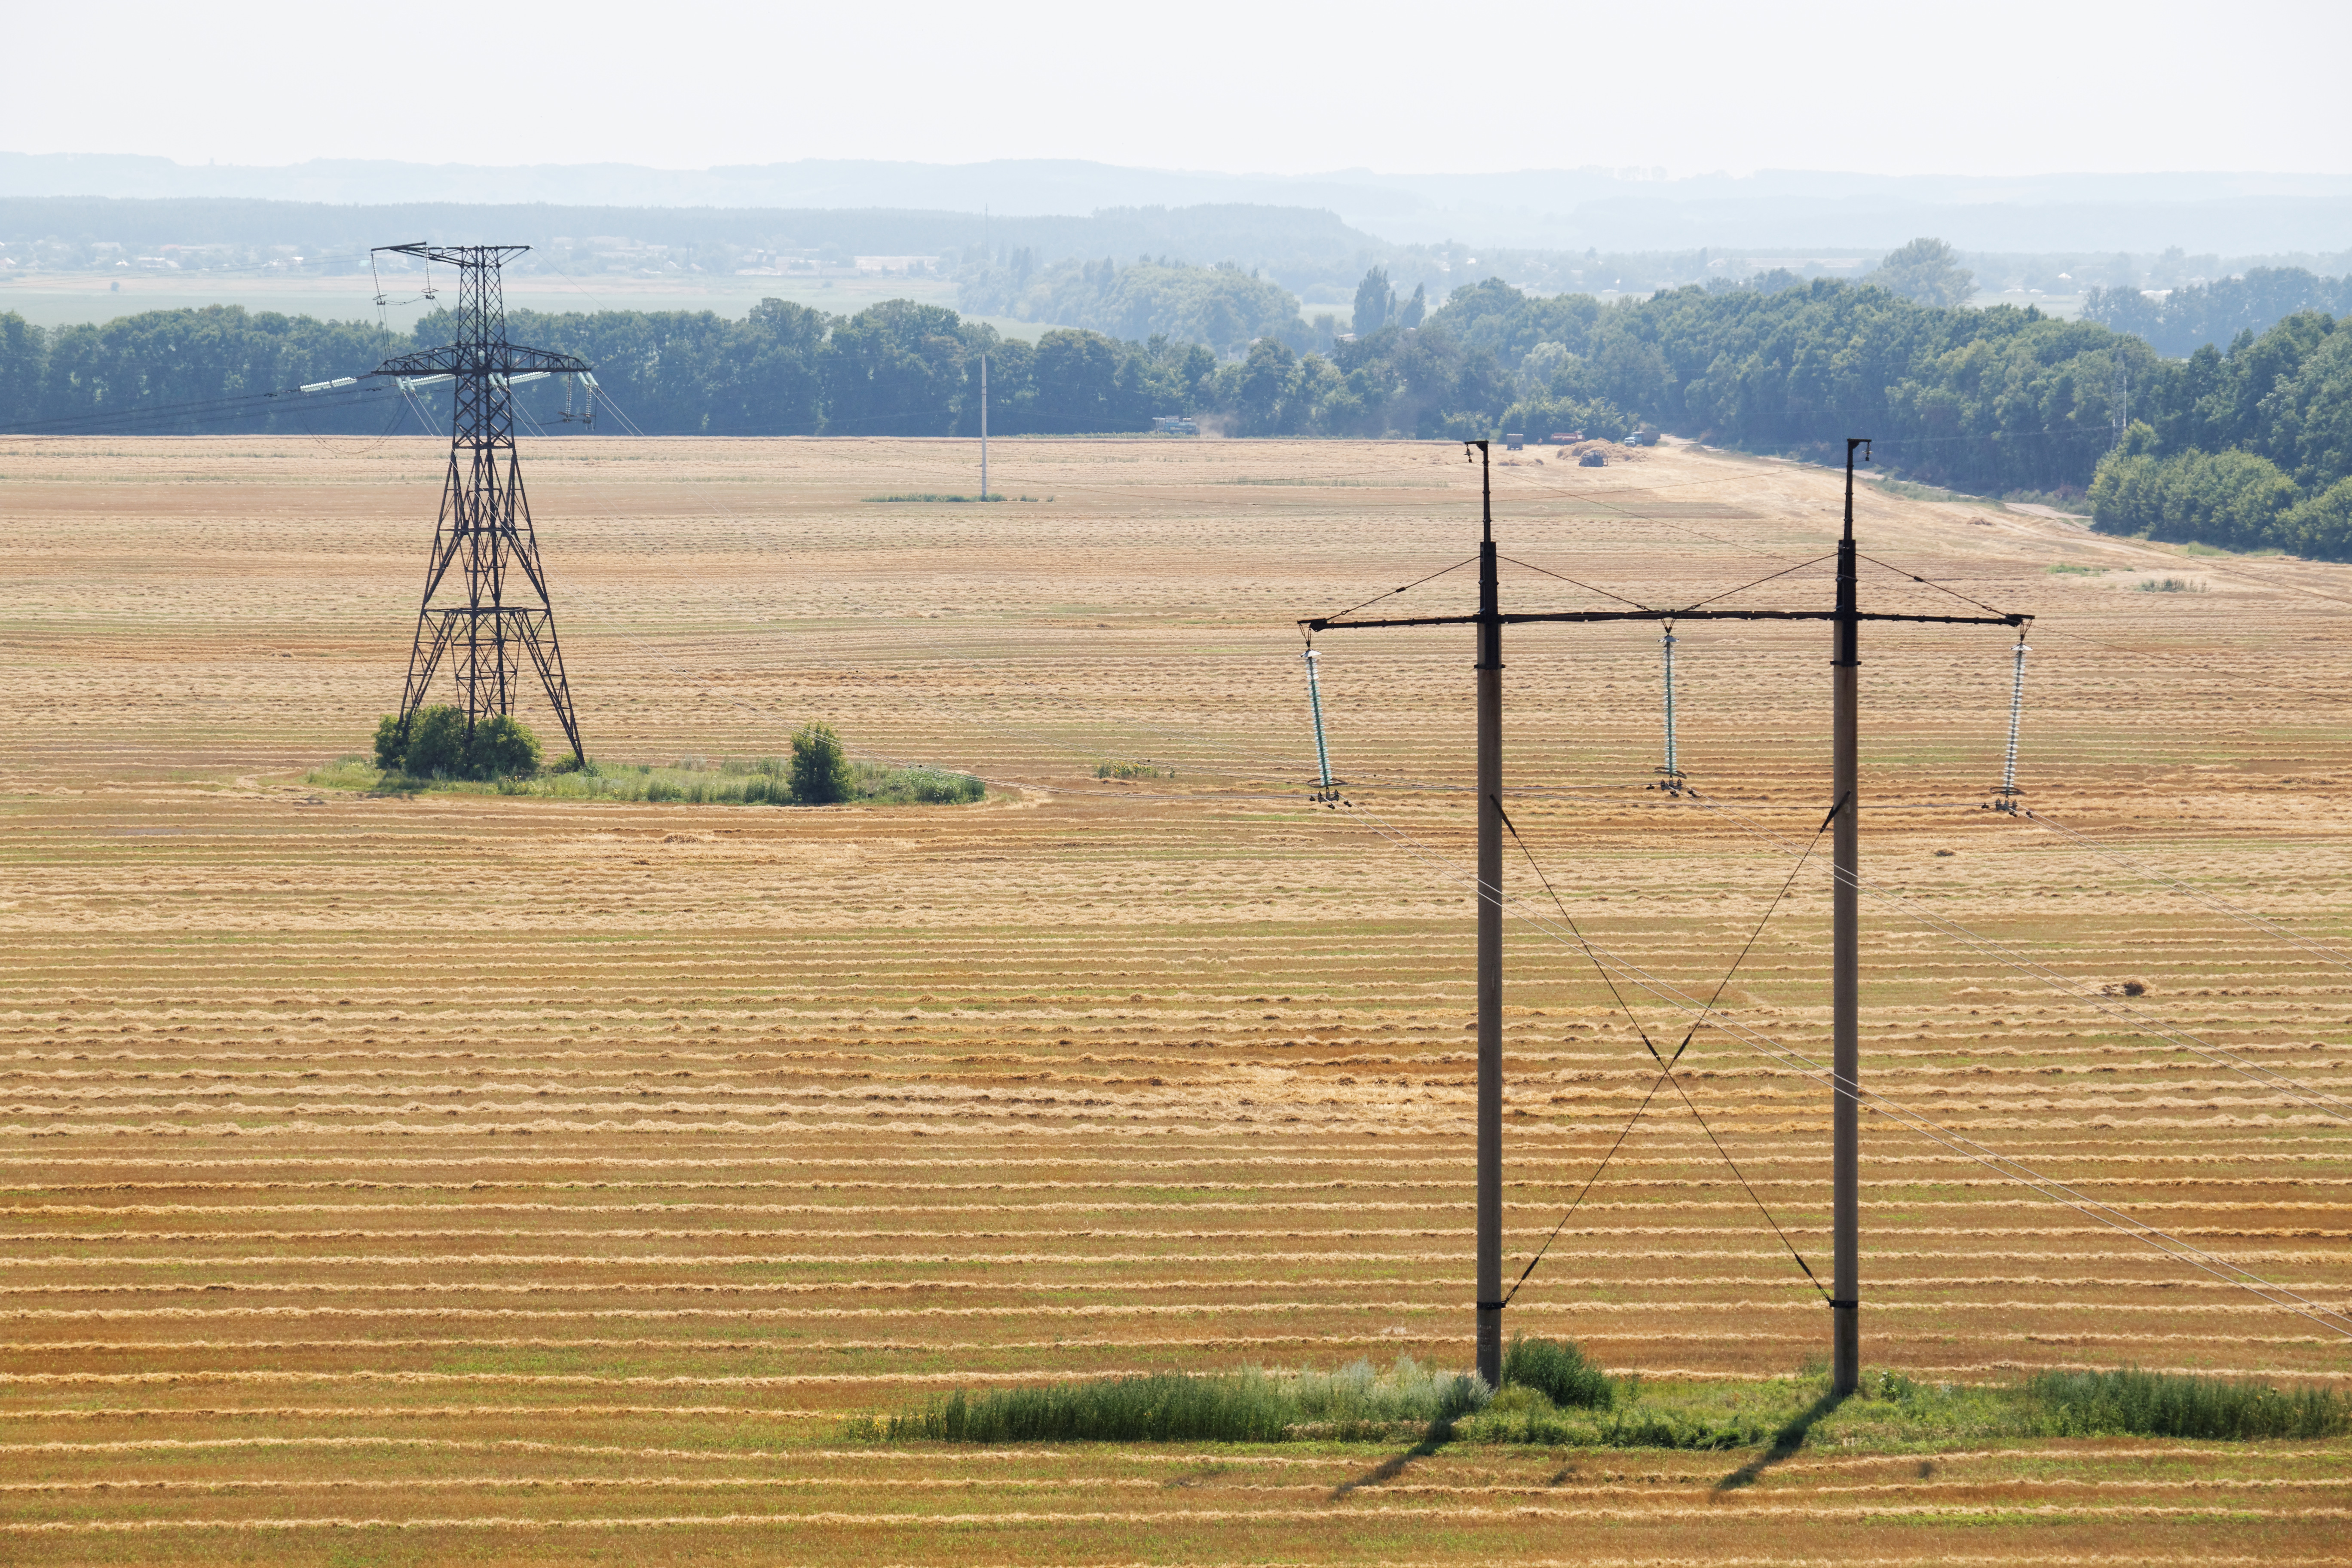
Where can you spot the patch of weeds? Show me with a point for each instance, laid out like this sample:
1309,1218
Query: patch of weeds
2173,585
1558,1372
1354,1402
2132,1403
2065,569
1132,771
2267,552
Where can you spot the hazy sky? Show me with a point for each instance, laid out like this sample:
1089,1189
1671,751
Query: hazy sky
1885,87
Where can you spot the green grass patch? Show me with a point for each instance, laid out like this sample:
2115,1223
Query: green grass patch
2172,1404
2172,585
2268,552
2065,569
1132,771
1246,1406
1552,1396
688,781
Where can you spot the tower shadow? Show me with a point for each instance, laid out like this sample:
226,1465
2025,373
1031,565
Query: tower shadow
1440,1433
1785,1442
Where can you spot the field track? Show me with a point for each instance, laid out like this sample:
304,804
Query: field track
462,1178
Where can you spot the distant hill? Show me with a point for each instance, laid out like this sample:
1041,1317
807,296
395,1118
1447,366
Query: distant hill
2234,214
1296,243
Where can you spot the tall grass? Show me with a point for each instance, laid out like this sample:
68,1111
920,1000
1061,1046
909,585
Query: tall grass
690,781
1553,1395
1559,1373
2174,1404
1249,1406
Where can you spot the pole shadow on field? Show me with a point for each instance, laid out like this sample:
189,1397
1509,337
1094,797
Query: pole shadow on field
1785,1442
1440,1433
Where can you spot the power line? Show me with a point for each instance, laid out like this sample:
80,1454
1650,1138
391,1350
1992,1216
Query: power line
2293,1090
2334,1320
2325,955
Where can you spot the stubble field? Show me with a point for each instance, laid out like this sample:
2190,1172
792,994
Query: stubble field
453,1178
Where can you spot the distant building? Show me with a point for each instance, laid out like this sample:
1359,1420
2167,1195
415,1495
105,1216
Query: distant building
1173,424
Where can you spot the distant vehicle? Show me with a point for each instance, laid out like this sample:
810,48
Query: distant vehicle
1566,437
1592,461
1173,424
1647,436
1514,442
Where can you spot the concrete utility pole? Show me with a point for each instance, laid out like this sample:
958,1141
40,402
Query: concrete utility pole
1846,618
1490,938
1845,964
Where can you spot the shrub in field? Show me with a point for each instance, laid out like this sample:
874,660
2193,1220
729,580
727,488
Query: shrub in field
1559,1373
434,743
822,773
502,749
2174,1404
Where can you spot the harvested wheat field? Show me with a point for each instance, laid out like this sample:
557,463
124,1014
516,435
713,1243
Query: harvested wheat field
454,1177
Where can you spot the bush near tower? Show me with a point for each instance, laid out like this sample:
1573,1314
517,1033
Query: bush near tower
434,744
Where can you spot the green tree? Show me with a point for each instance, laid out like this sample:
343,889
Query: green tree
1375,302
822,774
23,350
1262,389
895,369
1928,272
1084,385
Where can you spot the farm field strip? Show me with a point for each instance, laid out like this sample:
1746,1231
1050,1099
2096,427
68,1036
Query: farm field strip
467,1165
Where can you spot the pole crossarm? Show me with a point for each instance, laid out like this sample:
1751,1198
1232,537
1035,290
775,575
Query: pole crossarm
506,359
1327,626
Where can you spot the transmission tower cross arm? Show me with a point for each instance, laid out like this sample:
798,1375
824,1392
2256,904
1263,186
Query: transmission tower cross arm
451,255
507,358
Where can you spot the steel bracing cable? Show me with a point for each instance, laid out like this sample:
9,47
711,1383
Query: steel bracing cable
1667,1066
1416,583
1564,577
1800,566
2334,1320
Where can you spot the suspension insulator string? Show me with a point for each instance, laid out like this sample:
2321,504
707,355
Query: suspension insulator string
2009,792
1670,777
1326,793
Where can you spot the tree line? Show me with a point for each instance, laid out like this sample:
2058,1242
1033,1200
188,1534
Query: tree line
2178,321
893,369
2001,401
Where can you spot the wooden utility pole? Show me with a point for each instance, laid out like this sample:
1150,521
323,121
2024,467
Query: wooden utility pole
983,427
1845,926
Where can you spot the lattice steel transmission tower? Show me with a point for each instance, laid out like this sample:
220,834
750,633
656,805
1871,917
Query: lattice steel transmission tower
496,611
